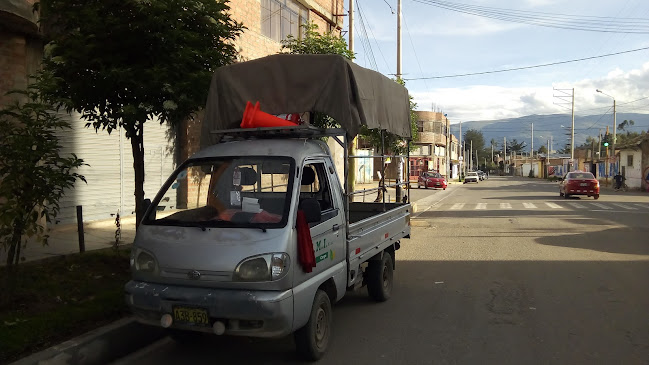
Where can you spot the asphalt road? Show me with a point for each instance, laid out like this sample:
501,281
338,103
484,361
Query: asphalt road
500,272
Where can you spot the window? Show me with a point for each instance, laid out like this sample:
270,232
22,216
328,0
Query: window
315,185
230,192
629,160
279,18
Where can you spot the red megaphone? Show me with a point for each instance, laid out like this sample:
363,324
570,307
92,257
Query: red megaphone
255,118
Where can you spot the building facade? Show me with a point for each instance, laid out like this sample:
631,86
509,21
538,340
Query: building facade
435,144
110,185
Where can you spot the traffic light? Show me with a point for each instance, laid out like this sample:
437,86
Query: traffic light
606,140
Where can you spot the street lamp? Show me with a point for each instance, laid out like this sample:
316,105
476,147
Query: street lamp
614,122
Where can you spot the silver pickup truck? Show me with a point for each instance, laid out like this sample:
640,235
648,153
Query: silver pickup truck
257,236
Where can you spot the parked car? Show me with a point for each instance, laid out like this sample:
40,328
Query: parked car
481,175
431,179
471,176
579,183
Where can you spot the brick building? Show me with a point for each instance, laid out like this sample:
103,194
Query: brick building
110,175
20,46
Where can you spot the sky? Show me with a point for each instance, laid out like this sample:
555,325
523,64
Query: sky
439,42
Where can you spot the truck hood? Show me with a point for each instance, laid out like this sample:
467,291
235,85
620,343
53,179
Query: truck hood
215,252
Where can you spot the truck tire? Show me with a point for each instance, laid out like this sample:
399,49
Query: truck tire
311,341
379,278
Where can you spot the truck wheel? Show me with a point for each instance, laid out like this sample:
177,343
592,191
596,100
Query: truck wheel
596,196
311,341
379,278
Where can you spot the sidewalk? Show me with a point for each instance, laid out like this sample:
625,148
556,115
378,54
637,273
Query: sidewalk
64,239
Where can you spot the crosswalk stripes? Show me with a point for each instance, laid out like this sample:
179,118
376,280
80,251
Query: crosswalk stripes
576,205
554,206
582,205
624,206
601,206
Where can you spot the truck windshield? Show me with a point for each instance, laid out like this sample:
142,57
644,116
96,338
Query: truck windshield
226,192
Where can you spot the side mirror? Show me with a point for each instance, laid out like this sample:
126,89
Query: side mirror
311,209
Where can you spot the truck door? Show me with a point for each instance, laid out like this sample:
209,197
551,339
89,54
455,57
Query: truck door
327,234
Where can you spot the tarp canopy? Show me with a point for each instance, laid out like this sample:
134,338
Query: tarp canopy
354,96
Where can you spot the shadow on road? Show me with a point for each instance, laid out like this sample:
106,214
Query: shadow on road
472,312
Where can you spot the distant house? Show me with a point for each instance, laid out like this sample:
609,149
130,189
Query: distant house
634,162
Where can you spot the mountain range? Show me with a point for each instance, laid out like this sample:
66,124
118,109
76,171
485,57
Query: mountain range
555,127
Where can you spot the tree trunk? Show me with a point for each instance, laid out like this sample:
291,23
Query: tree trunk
137,146
15,245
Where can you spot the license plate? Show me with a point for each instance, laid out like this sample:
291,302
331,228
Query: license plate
195,316
583,184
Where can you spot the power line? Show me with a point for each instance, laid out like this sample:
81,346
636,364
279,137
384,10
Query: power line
528,67
374,38
367,38
414,50
551,20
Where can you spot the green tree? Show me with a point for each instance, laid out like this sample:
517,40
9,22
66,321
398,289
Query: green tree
515,146
34,173
124,62
314,42
543,149
475,136
625,124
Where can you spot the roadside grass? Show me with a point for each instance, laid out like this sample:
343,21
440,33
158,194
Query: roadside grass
43,303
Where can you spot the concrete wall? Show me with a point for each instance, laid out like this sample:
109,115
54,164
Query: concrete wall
633,173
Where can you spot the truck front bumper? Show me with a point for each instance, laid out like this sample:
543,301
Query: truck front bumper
244,312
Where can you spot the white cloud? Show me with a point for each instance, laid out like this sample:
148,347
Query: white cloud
482,102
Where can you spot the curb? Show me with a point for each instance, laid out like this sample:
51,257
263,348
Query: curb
99,346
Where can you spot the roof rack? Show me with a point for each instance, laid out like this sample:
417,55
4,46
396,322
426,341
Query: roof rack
303,131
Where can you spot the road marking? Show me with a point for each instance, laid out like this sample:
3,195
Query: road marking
624,206
641,206
457,206
601,206
529,205
481,206
577,205
505,206
554,206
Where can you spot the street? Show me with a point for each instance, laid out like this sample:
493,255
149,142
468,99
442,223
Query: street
500,272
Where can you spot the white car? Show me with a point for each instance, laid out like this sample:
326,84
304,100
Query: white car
471,176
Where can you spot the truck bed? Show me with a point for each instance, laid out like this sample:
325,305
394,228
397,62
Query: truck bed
372,229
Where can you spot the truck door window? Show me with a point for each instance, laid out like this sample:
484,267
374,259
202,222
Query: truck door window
315,184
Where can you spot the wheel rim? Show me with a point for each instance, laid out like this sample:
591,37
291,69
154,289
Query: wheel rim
321,328
386,278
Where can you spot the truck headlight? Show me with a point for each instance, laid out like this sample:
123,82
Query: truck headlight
266,267
143,261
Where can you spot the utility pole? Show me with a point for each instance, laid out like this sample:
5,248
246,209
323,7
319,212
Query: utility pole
471,156
398,39
351,162
572,134
504,154
351,25
614,132
532,151
448,149
461,154
399,159
599,145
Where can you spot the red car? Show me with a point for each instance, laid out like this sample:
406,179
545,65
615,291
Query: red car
579,183
431,179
